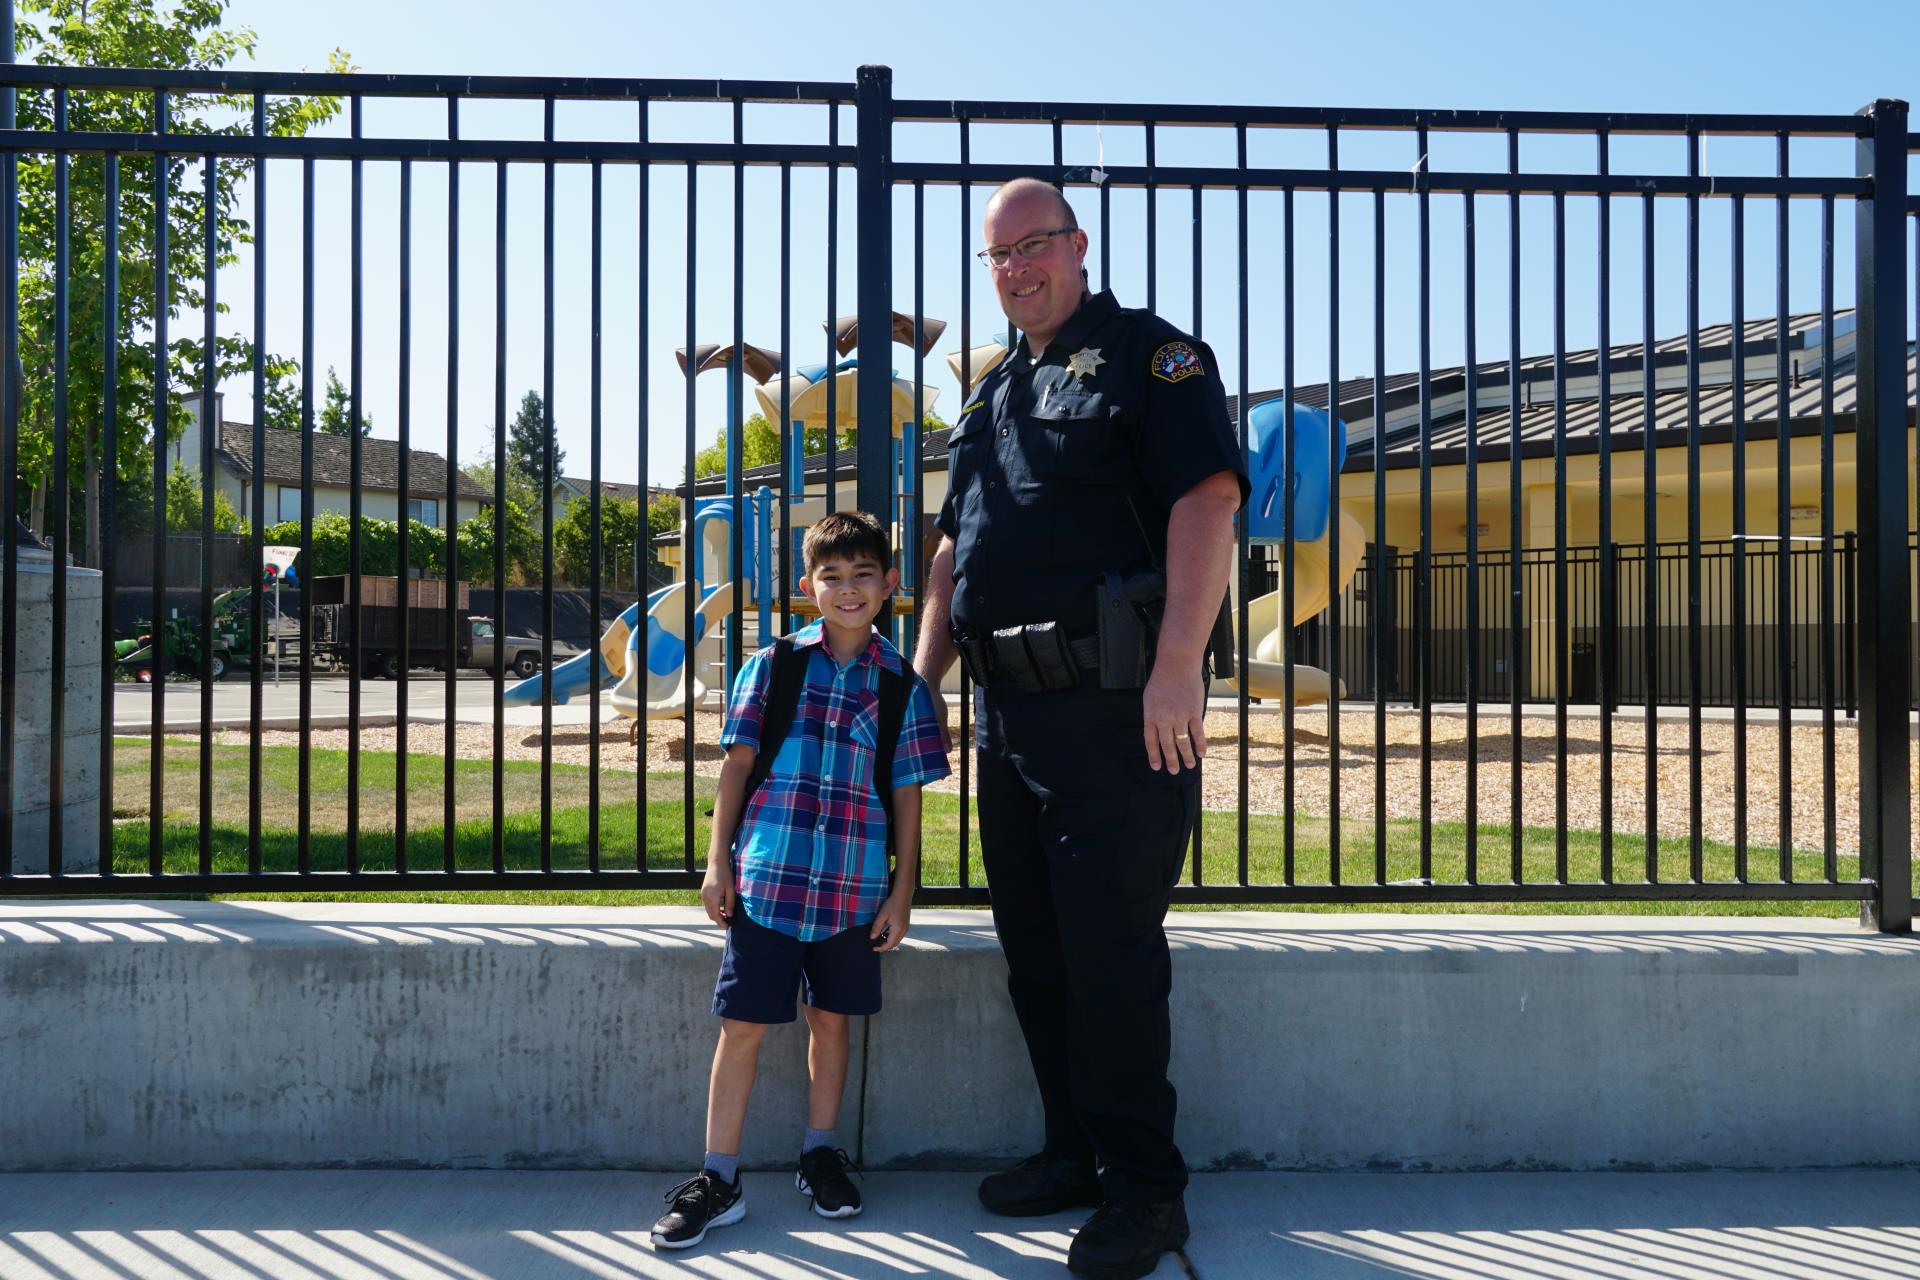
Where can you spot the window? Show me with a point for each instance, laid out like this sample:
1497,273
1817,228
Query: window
289,502
425,510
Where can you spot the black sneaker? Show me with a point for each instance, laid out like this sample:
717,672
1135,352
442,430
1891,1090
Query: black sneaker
704,1200
1040,1184
823,1175
1125,1239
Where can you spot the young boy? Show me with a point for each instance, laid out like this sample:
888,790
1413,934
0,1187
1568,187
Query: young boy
797,871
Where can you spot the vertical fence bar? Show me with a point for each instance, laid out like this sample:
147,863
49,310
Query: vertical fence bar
1379,584
1883,638
548,478
256,601
209,435
107,498
1650,532
356,467
832,356
1696,661
162,403
595,662
644,583
874,197
736,402
1470,334
1562,628
910,539
450,519
689,529
1198,228
1244,547
57,490
305,837
1738,585
1607,656
1516,586
1424,615
964,742
1829,802
1783,503
793,452
403,526
1333,526
1288,852
500,623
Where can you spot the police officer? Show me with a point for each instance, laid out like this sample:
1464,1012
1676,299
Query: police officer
1093,476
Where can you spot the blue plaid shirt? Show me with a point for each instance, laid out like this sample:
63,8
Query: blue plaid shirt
810,856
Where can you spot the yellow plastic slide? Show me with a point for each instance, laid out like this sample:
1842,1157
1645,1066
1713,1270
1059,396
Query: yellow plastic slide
1314,586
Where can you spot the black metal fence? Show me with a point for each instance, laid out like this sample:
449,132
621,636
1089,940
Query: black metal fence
1506,660
1290,214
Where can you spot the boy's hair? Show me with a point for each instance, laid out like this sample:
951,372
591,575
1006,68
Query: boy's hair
846,535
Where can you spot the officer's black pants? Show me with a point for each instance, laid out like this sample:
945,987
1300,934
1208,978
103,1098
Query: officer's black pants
1082,844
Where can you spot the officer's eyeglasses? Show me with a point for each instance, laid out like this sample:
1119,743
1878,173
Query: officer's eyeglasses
1028,247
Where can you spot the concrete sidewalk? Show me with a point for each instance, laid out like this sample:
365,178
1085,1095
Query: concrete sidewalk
549,1226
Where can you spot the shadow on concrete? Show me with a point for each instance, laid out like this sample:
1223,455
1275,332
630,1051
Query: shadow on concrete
537,1226
676,928
500,1226
1763,1226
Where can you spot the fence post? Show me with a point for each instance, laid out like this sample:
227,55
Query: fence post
873,197
1881,639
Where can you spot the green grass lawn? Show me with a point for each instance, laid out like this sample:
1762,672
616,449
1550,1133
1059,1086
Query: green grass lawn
665,833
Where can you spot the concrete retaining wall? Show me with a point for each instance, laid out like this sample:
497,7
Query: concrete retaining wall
198,1035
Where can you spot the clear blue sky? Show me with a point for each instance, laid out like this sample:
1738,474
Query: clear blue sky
1755,55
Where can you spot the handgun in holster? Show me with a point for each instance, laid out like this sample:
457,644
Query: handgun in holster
1129,612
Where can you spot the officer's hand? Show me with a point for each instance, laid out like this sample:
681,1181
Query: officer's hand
1175,714
717,894
940,717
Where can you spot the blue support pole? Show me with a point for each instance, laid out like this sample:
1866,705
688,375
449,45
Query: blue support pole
764,569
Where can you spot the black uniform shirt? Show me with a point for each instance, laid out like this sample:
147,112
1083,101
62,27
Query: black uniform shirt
1043,460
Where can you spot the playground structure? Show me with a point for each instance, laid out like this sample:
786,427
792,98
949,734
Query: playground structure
644,668
1320,573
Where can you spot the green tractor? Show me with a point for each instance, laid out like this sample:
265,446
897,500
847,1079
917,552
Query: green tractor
232,638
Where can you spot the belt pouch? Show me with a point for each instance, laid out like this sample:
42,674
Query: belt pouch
1011,662
1052,660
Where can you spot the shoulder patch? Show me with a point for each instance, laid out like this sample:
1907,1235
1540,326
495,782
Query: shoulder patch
1174,361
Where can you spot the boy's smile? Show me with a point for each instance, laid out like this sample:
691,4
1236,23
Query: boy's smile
850,594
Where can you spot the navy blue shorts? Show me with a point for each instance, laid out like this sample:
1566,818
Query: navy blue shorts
763,968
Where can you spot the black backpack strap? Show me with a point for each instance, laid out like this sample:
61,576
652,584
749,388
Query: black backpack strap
776,720
894,689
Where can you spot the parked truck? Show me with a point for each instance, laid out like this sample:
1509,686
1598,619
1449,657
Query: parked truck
382,652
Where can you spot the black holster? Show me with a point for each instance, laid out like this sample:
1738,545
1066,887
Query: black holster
1129,612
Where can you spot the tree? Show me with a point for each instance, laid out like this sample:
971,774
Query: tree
759,447
337,412
184,504
476,546
379,545
573,539
527,438
184,34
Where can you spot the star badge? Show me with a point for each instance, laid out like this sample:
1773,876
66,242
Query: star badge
1083,362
